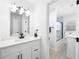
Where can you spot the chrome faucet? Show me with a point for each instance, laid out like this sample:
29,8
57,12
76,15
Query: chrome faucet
21,36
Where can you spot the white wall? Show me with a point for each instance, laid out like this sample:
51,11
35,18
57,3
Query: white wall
4,18
77,24
40,22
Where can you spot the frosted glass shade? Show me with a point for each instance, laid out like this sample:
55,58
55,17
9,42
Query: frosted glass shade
21,11
14,8
27,12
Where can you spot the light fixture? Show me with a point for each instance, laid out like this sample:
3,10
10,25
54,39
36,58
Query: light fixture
14,8
21,10
27,12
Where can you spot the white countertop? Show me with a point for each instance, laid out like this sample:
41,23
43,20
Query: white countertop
13,41
73,36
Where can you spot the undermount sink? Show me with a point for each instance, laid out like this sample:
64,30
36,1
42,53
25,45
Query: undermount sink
15,39
18,40
22,39
10,41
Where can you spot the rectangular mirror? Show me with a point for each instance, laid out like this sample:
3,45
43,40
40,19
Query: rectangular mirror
18,23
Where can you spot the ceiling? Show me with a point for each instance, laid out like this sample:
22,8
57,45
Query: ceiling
33,3
39,1
64,7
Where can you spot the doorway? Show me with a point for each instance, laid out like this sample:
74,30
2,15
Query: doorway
57,46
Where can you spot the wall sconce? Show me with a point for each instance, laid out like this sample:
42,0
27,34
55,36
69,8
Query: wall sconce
14,8
21,10
27,12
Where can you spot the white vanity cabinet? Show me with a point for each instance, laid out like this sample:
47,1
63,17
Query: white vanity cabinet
9,53
11,56
16,52
35,50
71,47
77,50
26,50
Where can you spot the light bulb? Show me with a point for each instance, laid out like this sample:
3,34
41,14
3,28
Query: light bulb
21,11
14,8
27,12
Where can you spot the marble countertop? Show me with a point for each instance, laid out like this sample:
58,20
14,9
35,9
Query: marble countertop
14,41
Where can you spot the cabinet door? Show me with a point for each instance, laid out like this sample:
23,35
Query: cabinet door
13,55
71,48
26,53
77,50
36,50
36,54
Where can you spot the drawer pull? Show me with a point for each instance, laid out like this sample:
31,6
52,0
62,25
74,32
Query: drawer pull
35,49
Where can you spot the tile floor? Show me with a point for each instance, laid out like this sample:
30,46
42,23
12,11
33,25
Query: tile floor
60,54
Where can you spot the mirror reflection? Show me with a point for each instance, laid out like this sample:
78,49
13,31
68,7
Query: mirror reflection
19,20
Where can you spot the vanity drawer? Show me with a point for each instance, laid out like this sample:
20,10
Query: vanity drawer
16,48
36,47
36,50
7,51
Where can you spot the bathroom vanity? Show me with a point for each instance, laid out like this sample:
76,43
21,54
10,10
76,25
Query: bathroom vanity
20,49
72,47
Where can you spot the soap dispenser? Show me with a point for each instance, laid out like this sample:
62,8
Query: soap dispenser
36,33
